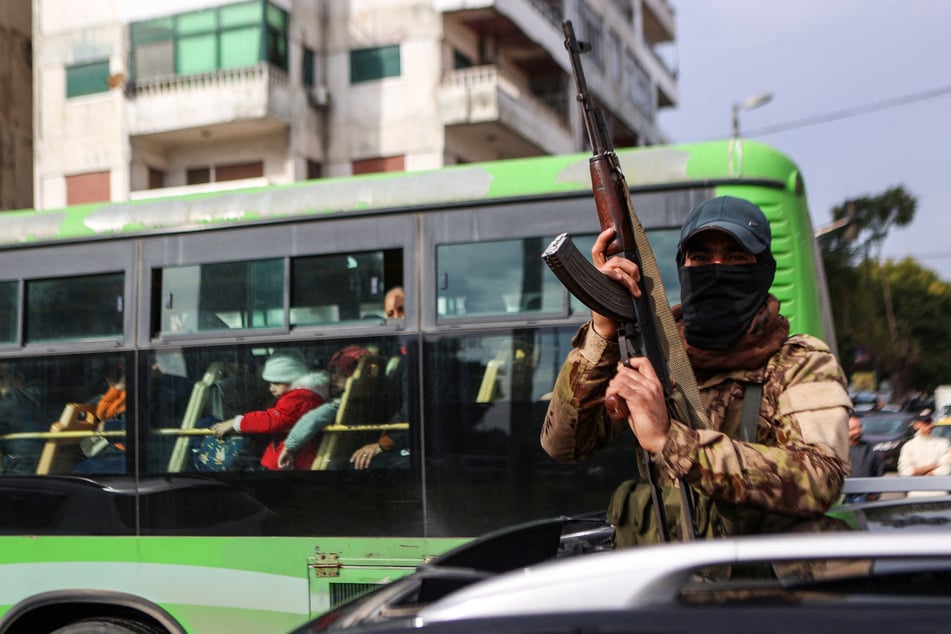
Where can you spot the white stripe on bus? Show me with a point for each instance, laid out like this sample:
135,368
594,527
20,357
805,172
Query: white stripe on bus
160,583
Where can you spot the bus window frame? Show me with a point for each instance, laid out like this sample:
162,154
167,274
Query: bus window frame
563,213
287,240
46,262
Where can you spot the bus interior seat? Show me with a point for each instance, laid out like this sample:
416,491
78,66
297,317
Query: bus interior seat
514,360
75,417
193,412
361,402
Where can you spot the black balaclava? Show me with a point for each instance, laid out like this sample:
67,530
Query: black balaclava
720,300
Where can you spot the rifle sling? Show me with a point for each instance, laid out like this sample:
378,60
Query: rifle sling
752,395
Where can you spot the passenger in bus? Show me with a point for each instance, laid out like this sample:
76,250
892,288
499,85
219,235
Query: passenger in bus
21,410
391,449
734,335
298,391
99,454
305,432
394,303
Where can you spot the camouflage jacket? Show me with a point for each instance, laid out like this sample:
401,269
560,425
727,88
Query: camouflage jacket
793,471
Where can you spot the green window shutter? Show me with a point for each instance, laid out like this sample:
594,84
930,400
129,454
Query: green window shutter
241,47
87,79
243,14
196,22
370,64
196,54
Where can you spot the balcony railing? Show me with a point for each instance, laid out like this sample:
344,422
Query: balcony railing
225,78
480,80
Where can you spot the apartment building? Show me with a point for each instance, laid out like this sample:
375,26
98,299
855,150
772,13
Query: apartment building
143,99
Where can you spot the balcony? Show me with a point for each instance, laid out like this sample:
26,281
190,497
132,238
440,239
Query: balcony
485,99
236,101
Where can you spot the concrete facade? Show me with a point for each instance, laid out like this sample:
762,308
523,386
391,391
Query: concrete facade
16,105
477,80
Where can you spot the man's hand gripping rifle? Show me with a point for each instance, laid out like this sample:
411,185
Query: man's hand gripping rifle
638,334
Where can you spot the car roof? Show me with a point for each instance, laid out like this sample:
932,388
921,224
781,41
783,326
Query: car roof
654,575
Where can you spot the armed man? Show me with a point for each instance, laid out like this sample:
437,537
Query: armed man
785,393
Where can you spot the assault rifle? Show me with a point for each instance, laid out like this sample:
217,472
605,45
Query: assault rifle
644,331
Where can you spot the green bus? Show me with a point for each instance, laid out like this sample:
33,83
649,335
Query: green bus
132,512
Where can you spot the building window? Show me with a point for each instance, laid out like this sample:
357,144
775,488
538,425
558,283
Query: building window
460,60
591,30
382,164
228,172
156,178
92,187
369,64
314,169
197,175
637,86
307,68
232,36
614,56
87,79
238,171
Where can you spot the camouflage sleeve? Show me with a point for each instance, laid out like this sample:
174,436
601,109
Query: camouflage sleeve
576,424
801,459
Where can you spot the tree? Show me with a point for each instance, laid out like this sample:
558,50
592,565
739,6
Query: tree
896,314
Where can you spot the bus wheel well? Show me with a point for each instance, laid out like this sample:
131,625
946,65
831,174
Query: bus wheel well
99,614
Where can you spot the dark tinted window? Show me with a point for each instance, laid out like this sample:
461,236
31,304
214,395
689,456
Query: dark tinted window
90,306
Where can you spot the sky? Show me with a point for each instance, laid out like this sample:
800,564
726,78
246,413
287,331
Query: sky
821,59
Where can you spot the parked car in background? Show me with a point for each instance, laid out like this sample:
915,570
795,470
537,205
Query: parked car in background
942,427
887,432
864,401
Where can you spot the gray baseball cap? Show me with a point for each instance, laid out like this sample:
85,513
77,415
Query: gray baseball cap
740,218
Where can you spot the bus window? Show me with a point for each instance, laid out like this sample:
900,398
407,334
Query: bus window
193,389
342,287
9,311
222,296
84,395
495,278
90,306
486,396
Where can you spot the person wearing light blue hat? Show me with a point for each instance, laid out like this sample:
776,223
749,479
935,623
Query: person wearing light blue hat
791,470
297,390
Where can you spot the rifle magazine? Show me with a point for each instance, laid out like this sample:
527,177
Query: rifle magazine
587,283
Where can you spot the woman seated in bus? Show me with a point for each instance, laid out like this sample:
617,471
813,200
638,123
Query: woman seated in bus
99,454
304,433
298,391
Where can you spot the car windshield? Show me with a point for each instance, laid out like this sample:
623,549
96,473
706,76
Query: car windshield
942,431
884,424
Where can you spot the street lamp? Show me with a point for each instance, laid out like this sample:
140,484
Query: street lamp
749,103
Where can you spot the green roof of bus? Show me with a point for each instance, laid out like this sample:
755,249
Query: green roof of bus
649,167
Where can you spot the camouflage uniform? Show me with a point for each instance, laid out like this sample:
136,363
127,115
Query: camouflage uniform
793,472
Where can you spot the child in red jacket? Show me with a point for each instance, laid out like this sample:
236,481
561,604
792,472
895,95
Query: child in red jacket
297,391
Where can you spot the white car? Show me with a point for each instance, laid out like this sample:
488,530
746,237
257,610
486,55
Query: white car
889,572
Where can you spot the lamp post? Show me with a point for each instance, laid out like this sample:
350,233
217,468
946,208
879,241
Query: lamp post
749,103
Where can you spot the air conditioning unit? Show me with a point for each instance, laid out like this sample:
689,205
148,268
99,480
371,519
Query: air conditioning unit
319,96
